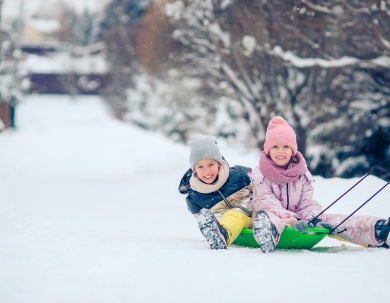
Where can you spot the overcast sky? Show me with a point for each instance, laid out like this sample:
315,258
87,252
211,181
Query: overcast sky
12,8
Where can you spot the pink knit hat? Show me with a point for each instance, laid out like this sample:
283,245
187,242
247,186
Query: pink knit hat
279,131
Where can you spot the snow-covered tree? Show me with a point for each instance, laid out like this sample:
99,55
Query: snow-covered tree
119,31
13,77
84,28
323,65
171,106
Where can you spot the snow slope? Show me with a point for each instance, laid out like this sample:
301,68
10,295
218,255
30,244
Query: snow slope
89,212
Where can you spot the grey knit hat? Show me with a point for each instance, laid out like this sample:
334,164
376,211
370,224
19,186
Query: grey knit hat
203,147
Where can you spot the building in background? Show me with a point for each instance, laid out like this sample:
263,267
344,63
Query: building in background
56,66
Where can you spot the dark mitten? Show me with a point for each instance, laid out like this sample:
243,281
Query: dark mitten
329,226
301,225
314,222
382,230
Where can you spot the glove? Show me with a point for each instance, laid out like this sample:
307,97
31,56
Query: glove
301,225
329,226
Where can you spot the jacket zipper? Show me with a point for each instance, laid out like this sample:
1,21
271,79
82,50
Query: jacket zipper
288,198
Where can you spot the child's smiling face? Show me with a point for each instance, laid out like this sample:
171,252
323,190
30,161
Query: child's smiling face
207,170
281,154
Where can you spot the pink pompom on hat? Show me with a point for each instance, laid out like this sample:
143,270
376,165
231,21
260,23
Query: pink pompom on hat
279,131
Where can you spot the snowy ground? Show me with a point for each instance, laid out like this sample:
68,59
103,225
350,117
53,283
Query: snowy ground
89,212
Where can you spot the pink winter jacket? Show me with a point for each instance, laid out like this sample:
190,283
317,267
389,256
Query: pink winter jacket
291,199
294,199
282,199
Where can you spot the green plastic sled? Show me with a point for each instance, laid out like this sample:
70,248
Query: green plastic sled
289,239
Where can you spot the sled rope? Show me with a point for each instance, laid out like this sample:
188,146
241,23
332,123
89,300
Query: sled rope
238,206
369,173
357,210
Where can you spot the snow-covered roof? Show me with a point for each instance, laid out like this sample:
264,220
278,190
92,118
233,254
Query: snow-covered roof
44,26
63,63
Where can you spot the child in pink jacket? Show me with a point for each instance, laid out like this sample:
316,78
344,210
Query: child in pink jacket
283,196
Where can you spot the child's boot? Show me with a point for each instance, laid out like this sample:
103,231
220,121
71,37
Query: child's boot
382,229
264,232
215,234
